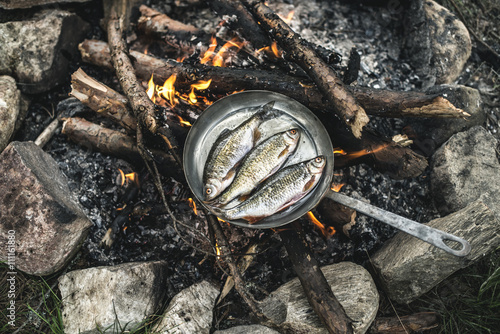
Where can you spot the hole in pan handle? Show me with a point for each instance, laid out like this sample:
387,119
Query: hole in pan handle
423,232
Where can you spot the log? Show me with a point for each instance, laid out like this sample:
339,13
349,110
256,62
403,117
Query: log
376,102
316,287
299,51
337,215
102,99
153,22
413,323
107,141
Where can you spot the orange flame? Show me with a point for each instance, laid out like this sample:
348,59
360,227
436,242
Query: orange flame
207,56
130,177
221,56
168,90
183,122
337,187
339,151
151,89
217,249
327,231
357,154
192,204
271,50
202,84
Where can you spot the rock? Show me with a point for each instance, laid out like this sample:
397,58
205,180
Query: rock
10,100
190,311
11,4
436,42
464,169
250,329
408,267
351,284
36,203
430,133
36,52
100,299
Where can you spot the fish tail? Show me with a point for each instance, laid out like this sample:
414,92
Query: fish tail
268,112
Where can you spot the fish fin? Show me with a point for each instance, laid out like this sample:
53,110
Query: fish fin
243,198
256,135
284,153
253,220
309,184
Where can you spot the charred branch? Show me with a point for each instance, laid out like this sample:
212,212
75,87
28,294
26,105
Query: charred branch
414,323
315,285
375,101
153,22
300,52
337,215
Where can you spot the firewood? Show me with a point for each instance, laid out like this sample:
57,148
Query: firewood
414,323
315,285
107,141
153,22
376,102
104,100
298,51
47,134
337,215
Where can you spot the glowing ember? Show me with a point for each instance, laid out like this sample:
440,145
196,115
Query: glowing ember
192,204
327,231
337,187
168,90
130,177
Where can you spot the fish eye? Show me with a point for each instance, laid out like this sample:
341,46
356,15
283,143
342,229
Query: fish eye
293,131
208,191
318,159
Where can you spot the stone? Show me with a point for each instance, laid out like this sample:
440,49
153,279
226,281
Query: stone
437,43
10,102
408,267
250,329
351,284
14,4
464,169
433,132
37,205
190,311
36,52
103,299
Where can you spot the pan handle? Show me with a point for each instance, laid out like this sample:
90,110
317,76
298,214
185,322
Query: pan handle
423,232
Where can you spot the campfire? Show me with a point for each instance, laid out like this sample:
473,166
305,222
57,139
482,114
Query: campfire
141,87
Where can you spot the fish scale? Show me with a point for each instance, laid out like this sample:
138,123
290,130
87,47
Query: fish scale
280,191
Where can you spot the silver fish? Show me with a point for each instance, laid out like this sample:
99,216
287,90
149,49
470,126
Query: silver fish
230,148
263,161
279,192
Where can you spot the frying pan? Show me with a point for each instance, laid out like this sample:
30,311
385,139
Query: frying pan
229,112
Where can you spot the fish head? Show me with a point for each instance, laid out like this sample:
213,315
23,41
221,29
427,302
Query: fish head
211,189
316,165
292,136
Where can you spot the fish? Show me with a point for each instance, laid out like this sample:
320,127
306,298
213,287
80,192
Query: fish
281,190
263,161
230,148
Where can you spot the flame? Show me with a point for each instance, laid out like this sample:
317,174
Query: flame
202,84
273,49
168,90
337,187
130,177
221,56
207,56
327,231
217,250
151,89
357,154
192,204
339,151
288,18
183,122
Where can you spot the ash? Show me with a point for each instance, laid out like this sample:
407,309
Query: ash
376,33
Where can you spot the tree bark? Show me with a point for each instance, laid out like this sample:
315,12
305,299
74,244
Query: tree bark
315,285
376,102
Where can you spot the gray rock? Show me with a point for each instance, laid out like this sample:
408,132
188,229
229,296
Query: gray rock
10,100
36,203
433,132
13,4
464,169
351,284
190,311
99,300
436,42
35,52
250,329
408,267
